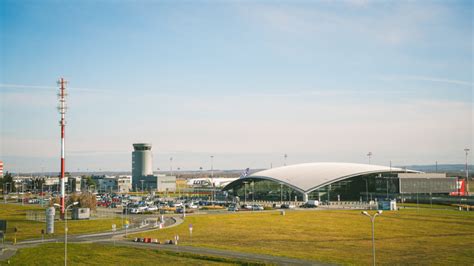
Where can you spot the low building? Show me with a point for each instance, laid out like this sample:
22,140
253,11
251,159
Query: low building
74,183
426,183
166,183
124,184
107,184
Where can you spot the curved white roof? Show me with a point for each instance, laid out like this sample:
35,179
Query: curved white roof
310,176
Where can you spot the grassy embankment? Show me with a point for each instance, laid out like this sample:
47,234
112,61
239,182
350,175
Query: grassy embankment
407,236
16,217
96,254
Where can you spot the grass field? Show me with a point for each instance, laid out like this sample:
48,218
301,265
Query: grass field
16,217
96,254
407,236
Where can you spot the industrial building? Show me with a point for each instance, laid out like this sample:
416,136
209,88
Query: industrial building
336,181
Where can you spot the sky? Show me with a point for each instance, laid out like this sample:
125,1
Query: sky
244,81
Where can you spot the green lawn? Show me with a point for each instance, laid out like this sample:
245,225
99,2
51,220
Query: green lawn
96,254
16,217
423,236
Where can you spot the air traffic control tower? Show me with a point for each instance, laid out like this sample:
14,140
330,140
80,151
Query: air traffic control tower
142,161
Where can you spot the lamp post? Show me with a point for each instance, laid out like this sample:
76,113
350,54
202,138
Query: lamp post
171,166
253,192
369,155
285,156
179,190
65,231
281,193
466,150
5,190
367,189
42,194
245,193
372,219
212,166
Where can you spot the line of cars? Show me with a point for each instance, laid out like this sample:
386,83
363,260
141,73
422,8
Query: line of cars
161,206
245,207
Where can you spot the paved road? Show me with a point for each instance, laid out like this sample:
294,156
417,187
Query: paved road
219,253
117,238
8,250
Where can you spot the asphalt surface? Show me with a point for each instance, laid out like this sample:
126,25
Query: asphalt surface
117,238
250,257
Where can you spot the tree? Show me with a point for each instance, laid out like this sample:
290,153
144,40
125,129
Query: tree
85,199
89,181
7,178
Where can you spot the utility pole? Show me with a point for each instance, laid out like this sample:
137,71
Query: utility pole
62,110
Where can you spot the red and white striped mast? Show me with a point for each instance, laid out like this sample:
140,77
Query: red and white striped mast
62,110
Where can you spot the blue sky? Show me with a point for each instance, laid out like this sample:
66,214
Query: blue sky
246,81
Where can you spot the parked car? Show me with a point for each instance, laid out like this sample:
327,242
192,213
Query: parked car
247,206
288,206
135,210
152,208
257,208
191,206
233,209
177,204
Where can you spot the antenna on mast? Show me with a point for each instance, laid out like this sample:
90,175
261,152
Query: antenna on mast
62,108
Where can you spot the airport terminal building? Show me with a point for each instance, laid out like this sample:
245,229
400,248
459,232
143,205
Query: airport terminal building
336,182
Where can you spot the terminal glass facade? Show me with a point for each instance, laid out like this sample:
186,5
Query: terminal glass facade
358,188
264,190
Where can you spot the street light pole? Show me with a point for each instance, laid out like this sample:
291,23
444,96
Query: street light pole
466,150
369,155
65,231
372,219
179,190
42,194
366,190
245,193
212,166
281,193
253,192
171,166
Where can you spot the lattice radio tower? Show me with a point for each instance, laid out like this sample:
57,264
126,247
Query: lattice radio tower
62,108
